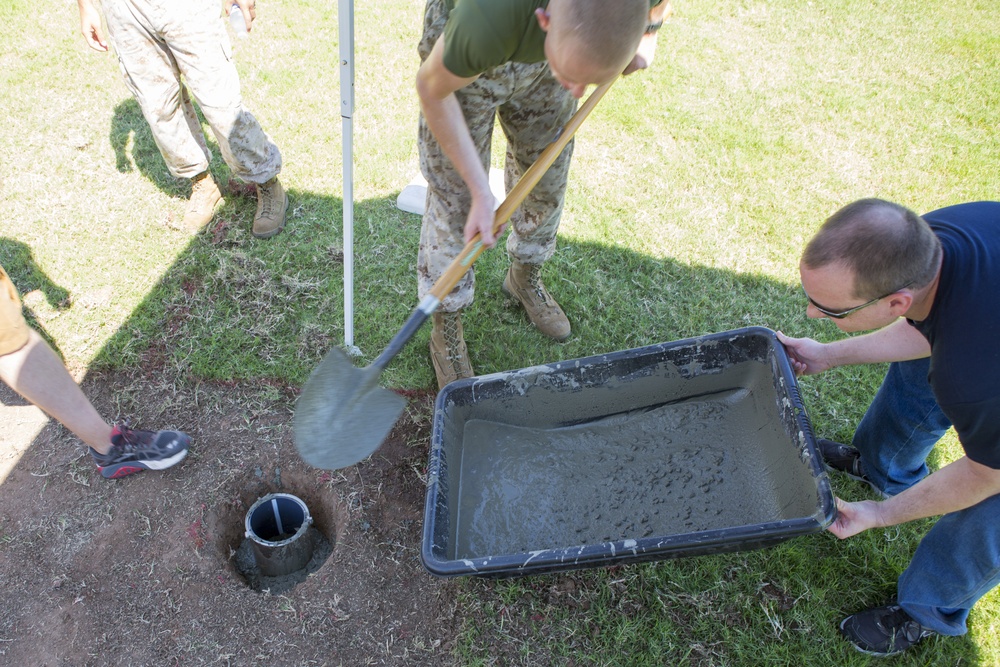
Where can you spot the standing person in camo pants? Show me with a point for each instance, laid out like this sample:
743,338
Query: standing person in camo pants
526,62
158,42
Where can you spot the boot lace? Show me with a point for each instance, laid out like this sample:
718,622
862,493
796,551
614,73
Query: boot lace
896,622
128,437
449,330
535,283
267,199
202,189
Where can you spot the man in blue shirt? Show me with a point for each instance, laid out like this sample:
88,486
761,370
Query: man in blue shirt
930,288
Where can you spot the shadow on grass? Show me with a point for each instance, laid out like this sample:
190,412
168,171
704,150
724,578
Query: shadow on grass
136,150
18,261
134,147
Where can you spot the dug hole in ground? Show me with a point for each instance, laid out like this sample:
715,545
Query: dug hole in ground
142,570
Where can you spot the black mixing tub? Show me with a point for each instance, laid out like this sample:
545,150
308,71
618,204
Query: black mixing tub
685,448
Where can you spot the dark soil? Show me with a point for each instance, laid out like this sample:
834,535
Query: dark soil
142,571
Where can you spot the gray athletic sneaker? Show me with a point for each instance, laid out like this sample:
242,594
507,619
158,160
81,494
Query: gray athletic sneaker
133,451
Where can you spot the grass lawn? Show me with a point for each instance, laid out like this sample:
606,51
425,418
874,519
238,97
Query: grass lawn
694,187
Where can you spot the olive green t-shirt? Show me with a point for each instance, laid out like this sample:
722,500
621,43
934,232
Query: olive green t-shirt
482,34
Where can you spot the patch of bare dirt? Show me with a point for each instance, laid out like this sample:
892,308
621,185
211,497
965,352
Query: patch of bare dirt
140,571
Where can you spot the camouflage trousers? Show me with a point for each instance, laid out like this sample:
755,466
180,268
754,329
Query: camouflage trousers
13,328
532,108
160,41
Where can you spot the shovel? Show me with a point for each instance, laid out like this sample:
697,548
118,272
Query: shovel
343,415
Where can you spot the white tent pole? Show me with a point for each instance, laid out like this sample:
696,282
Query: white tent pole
345,13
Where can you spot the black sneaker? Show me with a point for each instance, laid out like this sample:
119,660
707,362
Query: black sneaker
883,631
845,459
134,451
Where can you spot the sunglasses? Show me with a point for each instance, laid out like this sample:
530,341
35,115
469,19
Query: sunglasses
841,314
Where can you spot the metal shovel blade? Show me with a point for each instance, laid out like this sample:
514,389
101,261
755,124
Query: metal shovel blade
343,415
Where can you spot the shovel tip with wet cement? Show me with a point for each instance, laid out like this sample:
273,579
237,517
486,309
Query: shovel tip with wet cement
342,415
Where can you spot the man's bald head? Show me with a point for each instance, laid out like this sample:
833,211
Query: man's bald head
887,246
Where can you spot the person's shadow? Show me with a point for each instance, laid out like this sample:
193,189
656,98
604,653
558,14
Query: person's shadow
18,261
136,150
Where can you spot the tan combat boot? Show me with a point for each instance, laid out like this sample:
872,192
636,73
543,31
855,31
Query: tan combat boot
205,195
272,202
448,351
524,283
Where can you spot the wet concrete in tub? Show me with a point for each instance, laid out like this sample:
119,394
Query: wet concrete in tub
708,462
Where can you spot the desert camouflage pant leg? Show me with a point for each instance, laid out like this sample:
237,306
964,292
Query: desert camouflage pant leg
158,42
532,108
13,328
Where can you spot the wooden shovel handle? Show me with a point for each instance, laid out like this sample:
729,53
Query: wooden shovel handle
446,283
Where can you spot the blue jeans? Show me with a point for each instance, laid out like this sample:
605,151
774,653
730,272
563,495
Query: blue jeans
958,561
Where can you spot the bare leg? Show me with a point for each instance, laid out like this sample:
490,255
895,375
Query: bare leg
36,372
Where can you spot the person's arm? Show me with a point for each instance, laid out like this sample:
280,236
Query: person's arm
90,25
960,484
436,87
900,341
647,46
248,7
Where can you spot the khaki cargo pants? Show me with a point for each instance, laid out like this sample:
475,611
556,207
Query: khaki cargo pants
13,328
158,42
532,108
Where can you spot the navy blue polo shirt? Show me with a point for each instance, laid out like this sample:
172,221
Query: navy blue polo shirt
963,326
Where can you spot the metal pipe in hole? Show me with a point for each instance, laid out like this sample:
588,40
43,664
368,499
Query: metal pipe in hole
276,551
